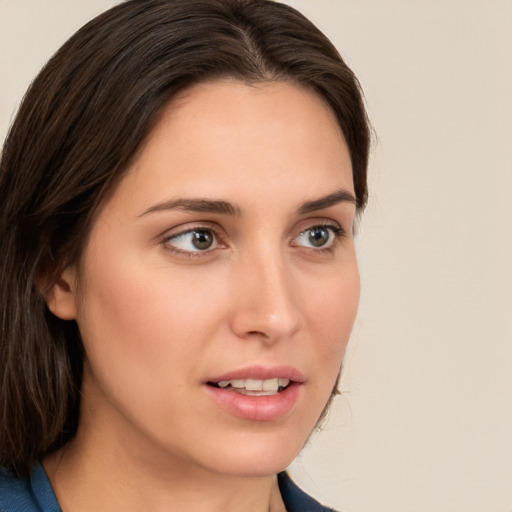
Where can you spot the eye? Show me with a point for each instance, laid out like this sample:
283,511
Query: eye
318,237
193,241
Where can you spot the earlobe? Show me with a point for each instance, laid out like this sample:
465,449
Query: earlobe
61,296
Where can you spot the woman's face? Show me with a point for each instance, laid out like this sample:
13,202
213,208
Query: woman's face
219,285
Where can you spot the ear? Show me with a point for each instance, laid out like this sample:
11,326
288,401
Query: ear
61,295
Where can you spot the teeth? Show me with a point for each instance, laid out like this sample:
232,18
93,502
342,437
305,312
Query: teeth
284,382
255,384
270,385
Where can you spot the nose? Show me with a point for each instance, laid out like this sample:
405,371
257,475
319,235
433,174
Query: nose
266,305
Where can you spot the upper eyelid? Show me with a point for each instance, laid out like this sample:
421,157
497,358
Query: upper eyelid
303,225
210,226
327,223
190,230
181,230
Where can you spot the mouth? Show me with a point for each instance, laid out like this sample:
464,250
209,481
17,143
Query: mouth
257,392
253,387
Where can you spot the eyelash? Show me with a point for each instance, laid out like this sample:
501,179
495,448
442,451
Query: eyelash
336,230
192,254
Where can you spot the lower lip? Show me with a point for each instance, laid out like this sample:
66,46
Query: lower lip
258,408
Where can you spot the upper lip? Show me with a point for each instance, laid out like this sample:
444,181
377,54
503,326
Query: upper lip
261,372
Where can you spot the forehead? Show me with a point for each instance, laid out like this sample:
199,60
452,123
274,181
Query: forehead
225,138
222,107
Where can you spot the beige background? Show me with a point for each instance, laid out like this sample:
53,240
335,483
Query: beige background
425,420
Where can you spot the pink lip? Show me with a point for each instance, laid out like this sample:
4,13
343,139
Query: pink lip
258,408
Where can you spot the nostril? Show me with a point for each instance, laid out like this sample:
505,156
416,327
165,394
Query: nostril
257,333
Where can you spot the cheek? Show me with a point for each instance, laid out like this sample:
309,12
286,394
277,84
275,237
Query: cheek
138,319
333,310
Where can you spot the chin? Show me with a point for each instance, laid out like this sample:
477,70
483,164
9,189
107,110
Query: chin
257,454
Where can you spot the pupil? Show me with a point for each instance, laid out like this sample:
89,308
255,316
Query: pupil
202,239
318,236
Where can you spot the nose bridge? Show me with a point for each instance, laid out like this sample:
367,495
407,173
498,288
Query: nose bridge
267,305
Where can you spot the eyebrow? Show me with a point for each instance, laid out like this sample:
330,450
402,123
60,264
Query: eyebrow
340,196
226,208
196,205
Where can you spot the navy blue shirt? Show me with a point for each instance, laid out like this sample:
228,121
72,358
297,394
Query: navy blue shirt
36,494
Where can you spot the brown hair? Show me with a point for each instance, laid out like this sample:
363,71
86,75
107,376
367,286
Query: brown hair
81,121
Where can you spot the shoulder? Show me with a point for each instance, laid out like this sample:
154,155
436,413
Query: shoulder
296,500
15,494
33,495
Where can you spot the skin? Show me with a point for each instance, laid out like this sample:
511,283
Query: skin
158,317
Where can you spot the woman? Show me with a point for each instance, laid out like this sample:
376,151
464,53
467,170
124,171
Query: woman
179,278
